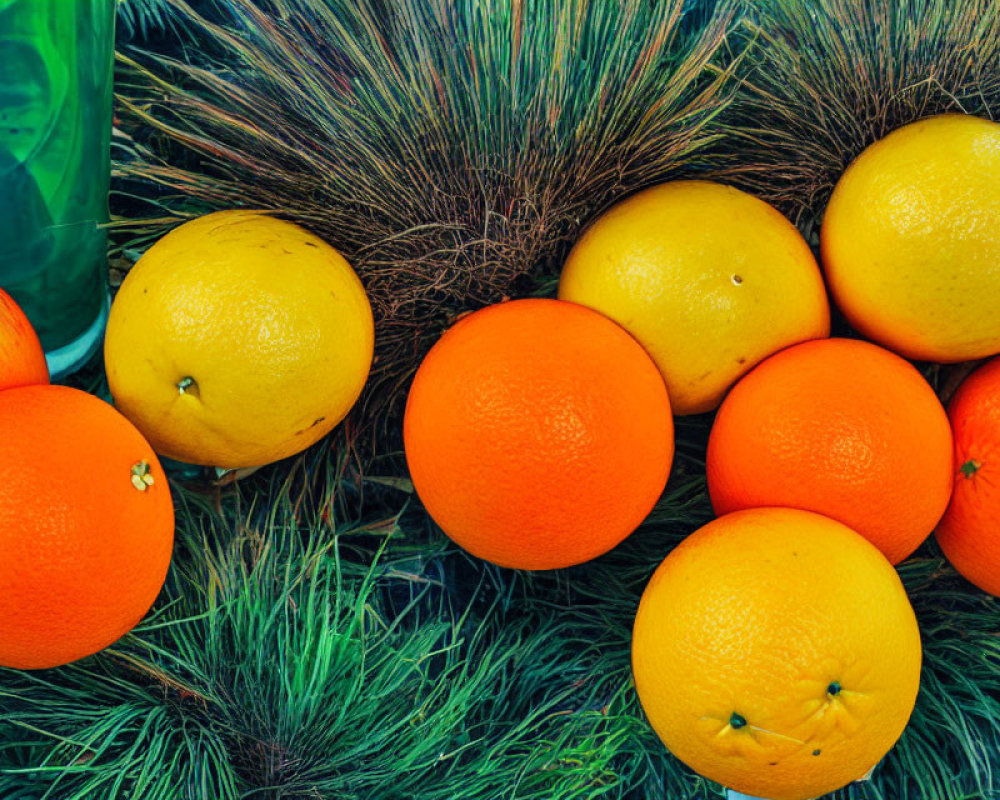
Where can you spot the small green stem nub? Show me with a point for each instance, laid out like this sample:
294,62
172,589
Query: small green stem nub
185,383
970,467
737,721
833,689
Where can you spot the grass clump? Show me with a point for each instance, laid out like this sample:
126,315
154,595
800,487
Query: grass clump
281,664
452,150
827,78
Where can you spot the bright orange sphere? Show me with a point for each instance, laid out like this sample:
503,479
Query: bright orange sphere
840,427
538,434
22,361
969,532
86,526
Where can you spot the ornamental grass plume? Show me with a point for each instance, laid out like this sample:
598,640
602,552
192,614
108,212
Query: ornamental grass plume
826,78
451,150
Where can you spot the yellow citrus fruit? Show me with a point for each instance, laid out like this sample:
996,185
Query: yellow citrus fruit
775,652
911,240
709,279
238,339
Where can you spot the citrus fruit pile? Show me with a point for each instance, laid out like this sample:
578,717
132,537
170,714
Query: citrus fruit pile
86,517
775,650
238,339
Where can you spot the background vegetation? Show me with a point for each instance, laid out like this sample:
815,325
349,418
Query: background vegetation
318,637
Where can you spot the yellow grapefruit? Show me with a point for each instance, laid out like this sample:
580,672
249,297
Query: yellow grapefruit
238,339
775,652
709,279
911,240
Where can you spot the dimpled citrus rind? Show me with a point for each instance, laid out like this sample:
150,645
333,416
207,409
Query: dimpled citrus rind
910,240
238,339
775,652
709,279
538,434
86,526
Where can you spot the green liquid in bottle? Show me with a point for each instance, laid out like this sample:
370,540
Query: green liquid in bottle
55,167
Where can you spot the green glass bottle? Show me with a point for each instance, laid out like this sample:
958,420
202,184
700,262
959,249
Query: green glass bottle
56,61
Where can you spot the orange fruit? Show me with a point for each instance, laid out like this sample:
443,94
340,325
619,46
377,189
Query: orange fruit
840,427
22,361
709,279
238,339
775,652
86,526
969,532
911,240
538,434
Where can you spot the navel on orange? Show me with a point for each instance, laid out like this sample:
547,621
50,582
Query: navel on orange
775,652
86,526
538,434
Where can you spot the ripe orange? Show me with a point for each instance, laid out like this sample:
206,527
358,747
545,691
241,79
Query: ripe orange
775,652
969,533
840,427
22,361
238,339
709,279
86,526
538,434
911,239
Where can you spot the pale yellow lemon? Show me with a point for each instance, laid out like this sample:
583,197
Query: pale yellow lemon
911,240
709,279
238,339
